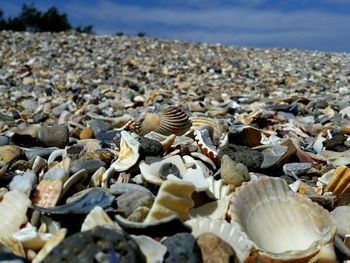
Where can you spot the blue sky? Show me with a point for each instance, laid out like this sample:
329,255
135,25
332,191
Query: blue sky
307,24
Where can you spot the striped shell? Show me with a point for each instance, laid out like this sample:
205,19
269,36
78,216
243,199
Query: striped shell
340,181
47,193
198,122
172,120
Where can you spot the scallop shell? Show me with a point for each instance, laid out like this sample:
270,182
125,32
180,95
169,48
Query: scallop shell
198,122
230,233
217,188
213,210
129,153
205,144
282,225
97,217
171,120
50,245
174,198
13,209
153,250
47,193
340,181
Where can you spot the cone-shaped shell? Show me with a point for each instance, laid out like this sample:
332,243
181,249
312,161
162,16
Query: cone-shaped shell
282,225
171,120
340,181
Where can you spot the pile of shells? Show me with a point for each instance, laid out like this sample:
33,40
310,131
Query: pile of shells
118,149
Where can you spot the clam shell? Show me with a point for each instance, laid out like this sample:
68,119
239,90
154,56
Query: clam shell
97,217
13,209
230,233
173,198
340,181
281,225
74,179
153,250
171,120
47,193
217,188
198,122
129,153
50,245
205,144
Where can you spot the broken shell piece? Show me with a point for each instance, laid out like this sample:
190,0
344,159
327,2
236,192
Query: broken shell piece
39,164
168,142
151,172
153,250
31,238
217,188
50,245
198,122
340,181
205,144
244,135
272,154
173,198
97,217
13,245
74,179
13,210
171,120
213,210
47,193
129,153
230,233
24,182
96,178
277,237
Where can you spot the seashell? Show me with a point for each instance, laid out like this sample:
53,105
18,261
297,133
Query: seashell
205,144
50,245
179,140
340,181
54,155
173,198
198,122
97,217
90,145
217,188
278,237
213,210
272,154
119,189
13,210
39,164
167,226
204,158
83,204
131,200
74,179
24,183
325,178
96,178
129,153
171,120
13,245
139,214
47,193
31,238
230,233
153,250
168,142
244,135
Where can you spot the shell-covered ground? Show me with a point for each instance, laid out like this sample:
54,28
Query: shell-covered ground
134,149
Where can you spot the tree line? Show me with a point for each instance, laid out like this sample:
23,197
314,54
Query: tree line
32,20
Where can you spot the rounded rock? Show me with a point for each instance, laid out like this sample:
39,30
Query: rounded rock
9,154
233,173
86,133
54,136
150,147
168,168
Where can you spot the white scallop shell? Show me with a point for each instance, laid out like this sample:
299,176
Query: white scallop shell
281,225
13,210
229,232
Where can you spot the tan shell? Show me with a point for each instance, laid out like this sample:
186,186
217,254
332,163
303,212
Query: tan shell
217,188
246,135
282,225
198,122
14,245
171,120
340,181
153,250
47,193
31,238
174,198
13,210
97,217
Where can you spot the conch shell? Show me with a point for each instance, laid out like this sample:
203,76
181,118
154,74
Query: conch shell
171,120
283,226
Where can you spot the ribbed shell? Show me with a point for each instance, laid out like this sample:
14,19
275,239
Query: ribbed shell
282,225
340,181
47,193
201,121
171,120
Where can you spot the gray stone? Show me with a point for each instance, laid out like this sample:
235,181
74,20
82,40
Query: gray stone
55,136
150,147
99,126
4,140
90,165
252,159
233,173
101,243
131,200
168,168
182,247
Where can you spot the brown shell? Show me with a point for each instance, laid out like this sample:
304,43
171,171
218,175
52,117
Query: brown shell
171,120
47,193
340,181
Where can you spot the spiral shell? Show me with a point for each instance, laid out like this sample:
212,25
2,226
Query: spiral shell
171,120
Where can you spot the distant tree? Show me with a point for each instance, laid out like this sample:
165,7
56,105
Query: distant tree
119,34
141,34
31,19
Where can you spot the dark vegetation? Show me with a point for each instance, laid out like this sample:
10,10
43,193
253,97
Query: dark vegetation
32,20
